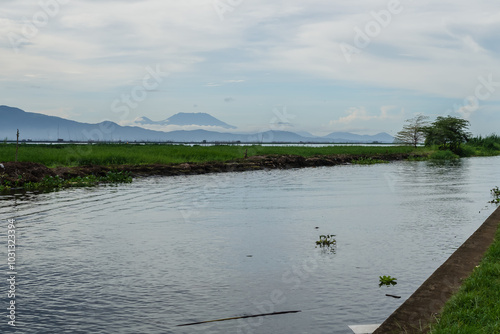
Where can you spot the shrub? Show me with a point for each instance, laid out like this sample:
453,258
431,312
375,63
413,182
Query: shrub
444,155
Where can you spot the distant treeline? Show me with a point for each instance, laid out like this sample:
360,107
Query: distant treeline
491,142
474,147
480,146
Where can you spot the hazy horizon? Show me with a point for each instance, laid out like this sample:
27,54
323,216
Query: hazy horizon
34,127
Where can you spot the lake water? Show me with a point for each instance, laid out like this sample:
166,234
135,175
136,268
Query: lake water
164,251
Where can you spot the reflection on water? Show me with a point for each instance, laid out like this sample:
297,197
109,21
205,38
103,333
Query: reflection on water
146,257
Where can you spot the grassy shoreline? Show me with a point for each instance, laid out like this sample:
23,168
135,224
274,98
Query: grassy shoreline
66,162
119,154
86,165
475,308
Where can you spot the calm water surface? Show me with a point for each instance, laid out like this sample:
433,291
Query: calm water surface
160,252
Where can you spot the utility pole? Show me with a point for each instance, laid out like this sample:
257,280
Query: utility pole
17,143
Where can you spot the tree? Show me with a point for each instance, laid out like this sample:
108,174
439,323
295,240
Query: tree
447,132
413,132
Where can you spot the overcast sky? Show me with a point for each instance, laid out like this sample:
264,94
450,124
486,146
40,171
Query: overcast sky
319,66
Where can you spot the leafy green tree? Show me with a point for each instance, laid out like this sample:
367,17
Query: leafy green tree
413,132
447,132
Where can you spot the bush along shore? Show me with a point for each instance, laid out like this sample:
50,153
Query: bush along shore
149,161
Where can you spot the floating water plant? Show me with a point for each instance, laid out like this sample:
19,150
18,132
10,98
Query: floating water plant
387,281
495,192
327,242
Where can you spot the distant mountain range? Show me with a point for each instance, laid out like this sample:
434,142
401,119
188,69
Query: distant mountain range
200,119
39,127
351,137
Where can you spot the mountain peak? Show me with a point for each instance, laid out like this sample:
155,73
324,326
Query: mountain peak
144,120
4,108
186,119
201,119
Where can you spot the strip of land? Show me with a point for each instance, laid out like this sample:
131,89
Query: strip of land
57,166
18,174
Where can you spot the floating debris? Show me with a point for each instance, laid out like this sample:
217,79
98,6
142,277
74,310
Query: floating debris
393,296
241,317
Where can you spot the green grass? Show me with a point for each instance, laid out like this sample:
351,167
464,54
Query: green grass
475,147
475,308
495,192
115,154
444,155
482,146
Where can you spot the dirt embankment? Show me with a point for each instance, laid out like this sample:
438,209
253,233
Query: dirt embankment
18,173
21,172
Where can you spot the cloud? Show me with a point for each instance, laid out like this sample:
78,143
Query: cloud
168,128
222,83
234,81
357,114
472,44
467,109
438,56
91,52
354,114
120,38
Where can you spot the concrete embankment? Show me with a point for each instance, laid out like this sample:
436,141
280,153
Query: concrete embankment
421,309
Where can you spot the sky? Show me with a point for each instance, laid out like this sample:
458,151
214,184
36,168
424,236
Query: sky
319,66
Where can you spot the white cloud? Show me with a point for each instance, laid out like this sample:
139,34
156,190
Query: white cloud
472,44
437,66
360,114
235,81
353,114
168,128
224,82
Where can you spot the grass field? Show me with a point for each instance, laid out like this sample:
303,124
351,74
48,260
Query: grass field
475,308
113,154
